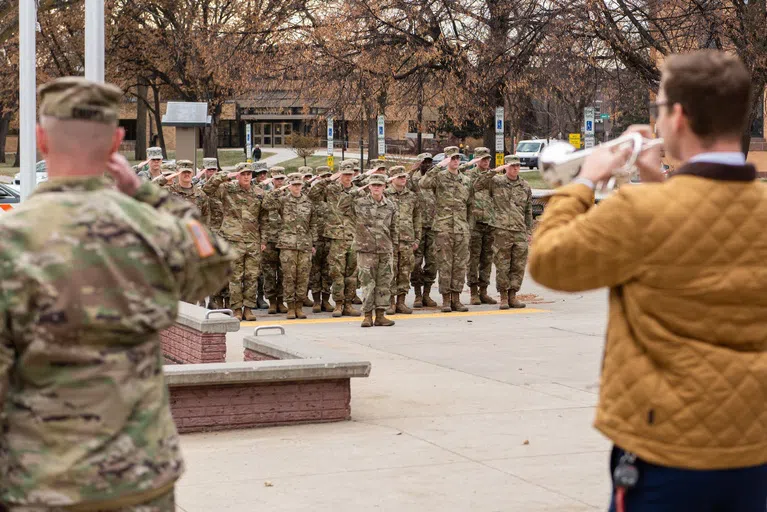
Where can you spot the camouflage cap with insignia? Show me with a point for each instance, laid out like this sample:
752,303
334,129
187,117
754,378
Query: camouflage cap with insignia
323,170
76,98
260,167
305,170
347,170
451,151
482,152
184,165
154,153
511,159
277,173
377,179
295,178
243,167
168,167
397,171
209,163
378,167
425,156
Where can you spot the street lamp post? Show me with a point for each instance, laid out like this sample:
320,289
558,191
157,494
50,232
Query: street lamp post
94,40
27,95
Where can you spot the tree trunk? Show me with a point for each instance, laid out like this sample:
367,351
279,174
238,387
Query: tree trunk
17,160
419,117
745,141
141,114
5,122
210,137
158,119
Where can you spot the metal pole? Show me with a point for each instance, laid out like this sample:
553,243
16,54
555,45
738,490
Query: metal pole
94,40
27,95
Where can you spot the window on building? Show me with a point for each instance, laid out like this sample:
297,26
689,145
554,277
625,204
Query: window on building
130,126
228,134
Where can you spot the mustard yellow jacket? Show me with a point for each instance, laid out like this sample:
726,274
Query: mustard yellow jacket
684,375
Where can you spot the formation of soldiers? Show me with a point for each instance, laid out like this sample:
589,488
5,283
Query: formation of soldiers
383,231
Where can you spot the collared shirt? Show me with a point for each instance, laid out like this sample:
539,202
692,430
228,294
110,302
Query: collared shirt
720,157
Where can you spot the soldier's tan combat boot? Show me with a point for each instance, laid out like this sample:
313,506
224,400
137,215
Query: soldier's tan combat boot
307,302
368,320
401,307
456,303
281,308
474,295
418,304
446,307
339,309
356,299
272,305
292,310
248,315
349,310
238,314
381,320
326,307
300,311
392,306
427,301
484,297
504,301
514,302
317,306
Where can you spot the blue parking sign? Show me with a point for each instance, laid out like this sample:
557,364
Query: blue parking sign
589,126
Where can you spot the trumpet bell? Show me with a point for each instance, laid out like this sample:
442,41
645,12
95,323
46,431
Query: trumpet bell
556,165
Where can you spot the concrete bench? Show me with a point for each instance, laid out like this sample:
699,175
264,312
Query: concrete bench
282,382
199,335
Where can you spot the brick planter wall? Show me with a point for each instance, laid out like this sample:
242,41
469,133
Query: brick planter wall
183,345
252,355
232,406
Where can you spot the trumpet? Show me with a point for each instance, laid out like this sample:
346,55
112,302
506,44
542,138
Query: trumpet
560,163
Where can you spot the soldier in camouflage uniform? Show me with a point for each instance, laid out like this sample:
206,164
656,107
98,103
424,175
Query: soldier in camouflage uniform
340,230
91,271
241,227
272,268
481,243
184,188
320,281
375,218
296,241
377,168
425,264
307,173
219,300
261,175
453,193
151,167
409,215
513,223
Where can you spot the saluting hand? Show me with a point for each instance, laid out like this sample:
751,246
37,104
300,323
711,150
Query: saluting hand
232,175
444,162
120,170
335,176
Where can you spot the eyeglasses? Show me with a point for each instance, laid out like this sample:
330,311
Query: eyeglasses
654,107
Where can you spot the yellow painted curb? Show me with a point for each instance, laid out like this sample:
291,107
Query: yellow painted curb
415,316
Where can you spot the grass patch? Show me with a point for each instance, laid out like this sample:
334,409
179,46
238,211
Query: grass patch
535,180
293,164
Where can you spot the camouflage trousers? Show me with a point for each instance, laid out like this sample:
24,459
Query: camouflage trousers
342,260
164,503
272,268
296,266
480,255
403,262
246,267
510,259
425,262
320,278
375,272
453,254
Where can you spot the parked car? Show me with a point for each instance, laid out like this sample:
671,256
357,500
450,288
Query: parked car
8,197
528,152
41,174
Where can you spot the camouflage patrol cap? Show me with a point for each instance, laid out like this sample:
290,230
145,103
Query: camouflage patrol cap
397,171
482,152
346,163
168,167
260,167
184,165
76,98
323,170
278,173
377,179
154,153
378,167
209,163
305,170
244,167
425,156
295,178
347,170
451,151
511,159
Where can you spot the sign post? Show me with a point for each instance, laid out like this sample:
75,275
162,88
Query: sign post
330,142
588,117
499,143
381,138
248,143
575,140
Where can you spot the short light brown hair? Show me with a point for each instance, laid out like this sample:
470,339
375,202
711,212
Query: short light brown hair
714,89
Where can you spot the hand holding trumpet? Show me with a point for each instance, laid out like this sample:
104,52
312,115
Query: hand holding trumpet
601,164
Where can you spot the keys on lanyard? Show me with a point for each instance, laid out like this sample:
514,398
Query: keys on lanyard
625,477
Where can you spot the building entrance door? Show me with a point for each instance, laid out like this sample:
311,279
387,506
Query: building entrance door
271,134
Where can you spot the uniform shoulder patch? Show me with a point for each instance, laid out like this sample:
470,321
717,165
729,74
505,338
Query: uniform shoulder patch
200,238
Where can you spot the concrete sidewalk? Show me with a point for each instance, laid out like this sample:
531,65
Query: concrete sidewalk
490,411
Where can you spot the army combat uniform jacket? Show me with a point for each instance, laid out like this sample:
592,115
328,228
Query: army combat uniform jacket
88,279
409,213
338,223
298,229
453,193
512,202
376,223
243,218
